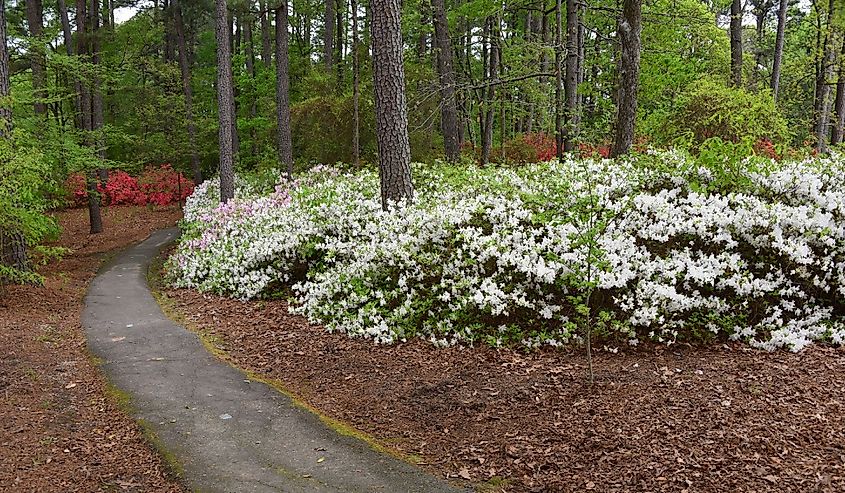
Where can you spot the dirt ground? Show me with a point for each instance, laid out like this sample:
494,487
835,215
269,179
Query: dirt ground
62,428
680,419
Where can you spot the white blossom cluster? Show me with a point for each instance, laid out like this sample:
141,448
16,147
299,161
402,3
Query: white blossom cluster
508,255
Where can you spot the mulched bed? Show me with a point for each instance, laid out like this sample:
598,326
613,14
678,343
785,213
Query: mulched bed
681,419
61,430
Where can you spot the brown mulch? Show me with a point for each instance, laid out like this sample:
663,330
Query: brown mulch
60,430
722,418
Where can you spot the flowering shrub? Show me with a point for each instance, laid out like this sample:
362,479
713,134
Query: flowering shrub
507,255
158,186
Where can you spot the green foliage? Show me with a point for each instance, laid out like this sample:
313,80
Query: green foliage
708,110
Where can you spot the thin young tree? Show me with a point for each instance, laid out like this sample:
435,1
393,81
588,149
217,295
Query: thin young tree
558,79
394,151
283,133
571,83
328,35
185,69
83,48
629,30
490,98
225,101
448,108
778,56
826,75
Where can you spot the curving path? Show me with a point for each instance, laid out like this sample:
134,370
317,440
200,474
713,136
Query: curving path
229,434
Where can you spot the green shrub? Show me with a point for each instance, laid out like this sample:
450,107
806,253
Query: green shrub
707,110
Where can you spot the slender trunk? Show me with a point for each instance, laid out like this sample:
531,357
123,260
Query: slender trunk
487,135
630,27
779,48
249,55
37,55
68,41
736,42
448,110
391,109
265,35
98,140
234,28
282,88
328,36
571,83
559,143
169,45
339,29
225,101
356,90
839,100
185,69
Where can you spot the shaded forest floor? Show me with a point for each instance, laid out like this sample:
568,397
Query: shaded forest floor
724,418
62,426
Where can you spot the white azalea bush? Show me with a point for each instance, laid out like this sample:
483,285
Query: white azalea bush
654,247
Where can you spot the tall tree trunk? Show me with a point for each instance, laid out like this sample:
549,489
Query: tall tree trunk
234,28
68,40
391,109
185,69
630,27
340,28
571,83
37,55
776,64
97,120
225,101
282,89
328,36
559,144
94,216
169,45
356,89
449,109
249,55
12,243
489,100
823,104
265,35
736,42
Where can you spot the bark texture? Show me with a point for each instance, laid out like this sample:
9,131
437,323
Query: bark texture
391,110
283,133
445,68
736,42
225,101
37,55
630,28
185,69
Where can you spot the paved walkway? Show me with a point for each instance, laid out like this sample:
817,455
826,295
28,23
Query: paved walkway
228,433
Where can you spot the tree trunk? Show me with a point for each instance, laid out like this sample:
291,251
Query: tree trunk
559,144
225,101
328,36
779,48
97,120
37,55
571,83
449,109
185,69
391,109
736,42
12,243
630,27
823,93
282,89
265,35
249,55
169,45
493,73
356,89
339,30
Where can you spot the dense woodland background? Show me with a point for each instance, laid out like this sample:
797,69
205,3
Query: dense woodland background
507,82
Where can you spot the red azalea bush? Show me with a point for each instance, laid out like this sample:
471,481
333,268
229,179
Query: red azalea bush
160,185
